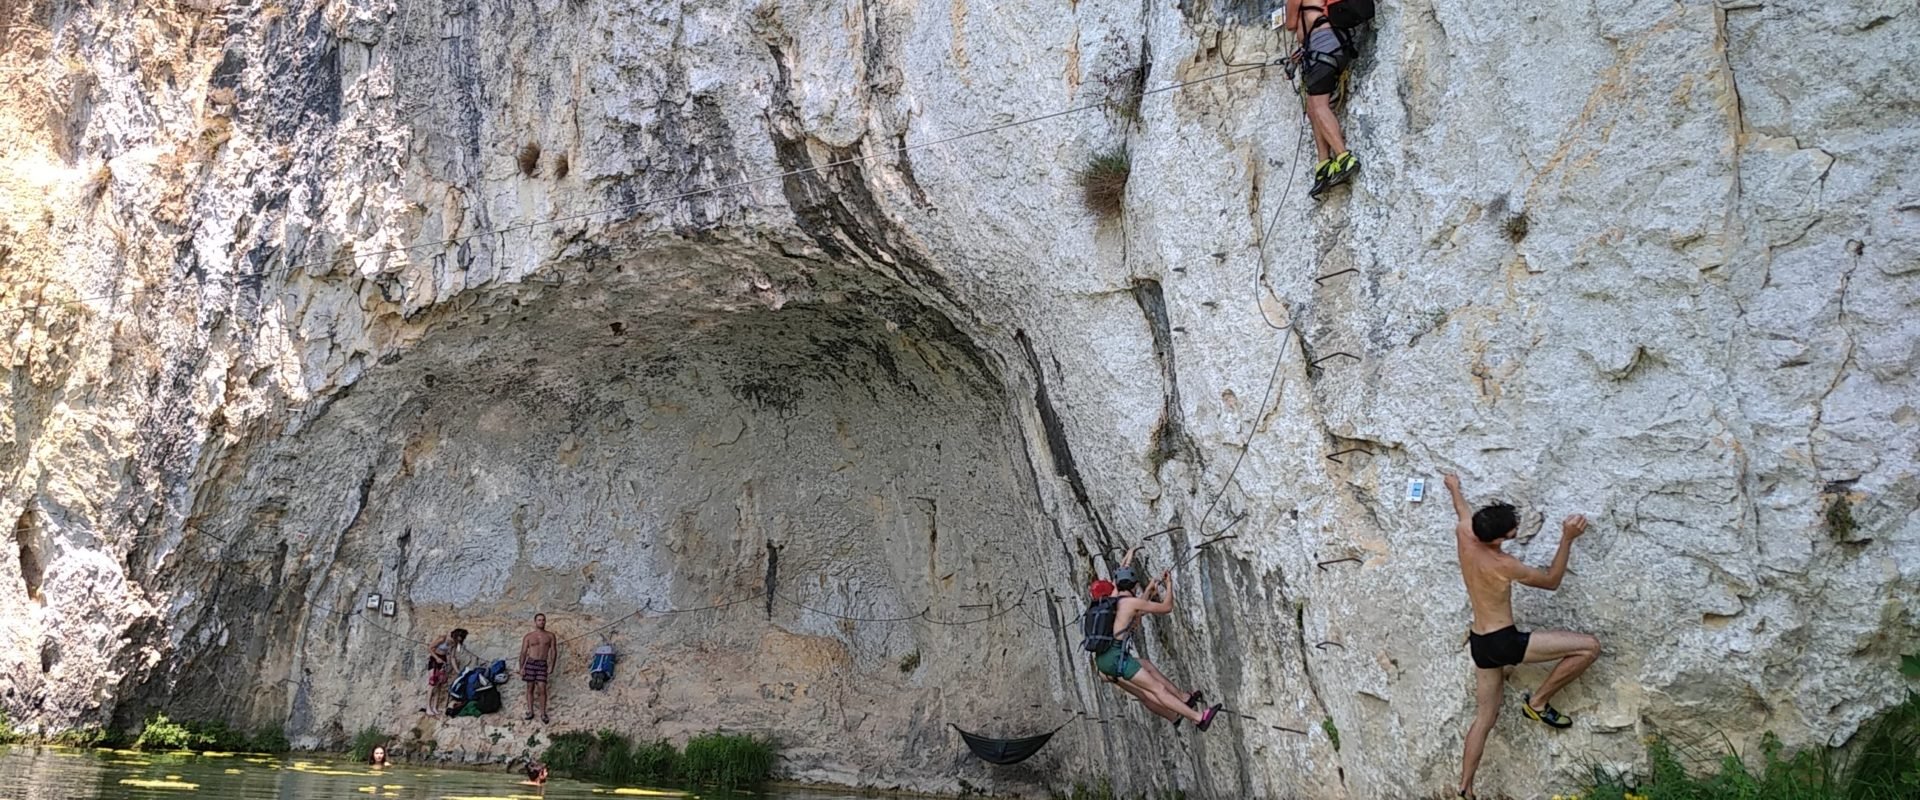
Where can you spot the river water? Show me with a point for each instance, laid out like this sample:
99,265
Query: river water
58,773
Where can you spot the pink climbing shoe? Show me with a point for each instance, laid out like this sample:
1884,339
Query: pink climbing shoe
1206,718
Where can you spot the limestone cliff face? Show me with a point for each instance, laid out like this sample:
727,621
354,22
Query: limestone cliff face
596,308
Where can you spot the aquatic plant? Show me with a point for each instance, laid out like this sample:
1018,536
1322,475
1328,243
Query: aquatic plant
611,758
7,734
728,760
161,733
83,737
269,741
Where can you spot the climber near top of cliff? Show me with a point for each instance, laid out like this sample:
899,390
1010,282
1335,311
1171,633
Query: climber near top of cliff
1495,641
1108,629
1322,28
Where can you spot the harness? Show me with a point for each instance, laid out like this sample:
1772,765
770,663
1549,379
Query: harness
1344,17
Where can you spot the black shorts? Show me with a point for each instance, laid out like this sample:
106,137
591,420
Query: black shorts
1322,72
1502,648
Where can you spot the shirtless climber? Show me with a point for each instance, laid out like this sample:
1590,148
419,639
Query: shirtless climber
1109,635
1322,56
1495,642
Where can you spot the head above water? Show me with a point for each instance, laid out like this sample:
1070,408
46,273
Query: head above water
379,755
1124,579
540,622
1495,523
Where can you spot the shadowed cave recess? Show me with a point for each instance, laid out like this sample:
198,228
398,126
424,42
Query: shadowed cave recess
611,446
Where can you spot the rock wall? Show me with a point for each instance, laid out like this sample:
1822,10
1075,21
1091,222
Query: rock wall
596,308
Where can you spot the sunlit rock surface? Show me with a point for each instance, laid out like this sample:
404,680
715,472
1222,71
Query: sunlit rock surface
597,308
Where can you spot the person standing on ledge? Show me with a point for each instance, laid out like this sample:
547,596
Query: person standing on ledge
539,651
443,665
1495,641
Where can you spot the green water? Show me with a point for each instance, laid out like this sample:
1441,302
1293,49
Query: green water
59,773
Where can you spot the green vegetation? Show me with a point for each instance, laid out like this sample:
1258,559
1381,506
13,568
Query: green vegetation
161,733
7,735
270,742
910,662
611,758
363,743
1333,732
1840,524
1103,182
727,760
1883,764
84,737
1081,791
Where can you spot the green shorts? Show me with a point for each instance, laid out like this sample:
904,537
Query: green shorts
1116,662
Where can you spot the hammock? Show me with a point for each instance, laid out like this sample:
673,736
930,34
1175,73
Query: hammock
1004,751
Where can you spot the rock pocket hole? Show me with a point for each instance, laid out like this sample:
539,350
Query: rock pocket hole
530,159
31,568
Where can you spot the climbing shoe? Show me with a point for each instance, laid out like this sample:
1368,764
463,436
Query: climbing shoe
1340,168
1206,718
1548,715
1192,699
1320,178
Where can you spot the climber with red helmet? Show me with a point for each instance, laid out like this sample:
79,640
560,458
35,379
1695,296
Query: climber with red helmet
1108,626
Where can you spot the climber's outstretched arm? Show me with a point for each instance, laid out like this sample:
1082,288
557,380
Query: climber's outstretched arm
1461,511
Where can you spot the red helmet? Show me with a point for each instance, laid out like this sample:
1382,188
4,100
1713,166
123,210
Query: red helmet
1101,588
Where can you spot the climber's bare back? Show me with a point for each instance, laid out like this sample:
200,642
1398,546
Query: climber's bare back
1489,576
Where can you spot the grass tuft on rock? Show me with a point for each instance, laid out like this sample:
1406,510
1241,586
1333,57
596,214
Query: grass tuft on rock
728,760
1103,182
363,743
1840,523
1882,764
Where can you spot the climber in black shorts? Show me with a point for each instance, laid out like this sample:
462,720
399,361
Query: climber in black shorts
1496,643
1322,56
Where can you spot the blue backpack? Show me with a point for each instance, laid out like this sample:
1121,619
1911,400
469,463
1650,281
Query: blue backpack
476,680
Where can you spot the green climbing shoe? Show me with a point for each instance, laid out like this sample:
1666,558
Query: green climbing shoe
1339,169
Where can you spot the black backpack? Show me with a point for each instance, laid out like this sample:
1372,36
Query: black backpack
1097,625
1347,17
1345,14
